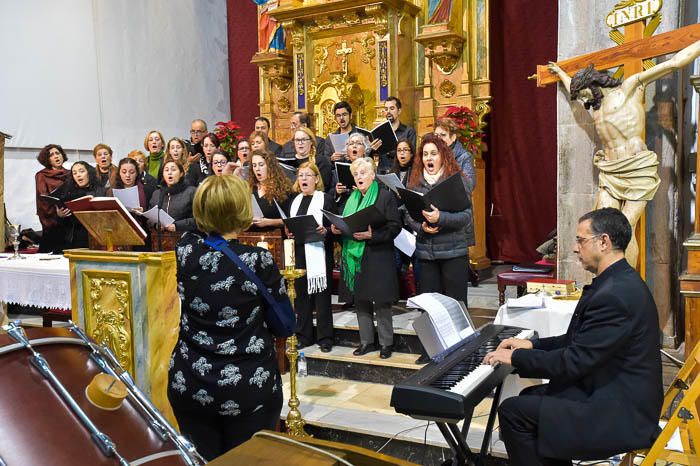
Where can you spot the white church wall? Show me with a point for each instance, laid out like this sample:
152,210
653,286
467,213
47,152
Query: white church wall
81,72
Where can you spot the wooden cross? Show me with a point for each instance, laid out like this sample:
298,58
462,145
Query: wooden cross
344,51
631,55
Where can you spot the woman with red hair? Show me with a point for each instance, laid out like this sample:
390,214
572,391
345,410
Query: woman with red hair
442,237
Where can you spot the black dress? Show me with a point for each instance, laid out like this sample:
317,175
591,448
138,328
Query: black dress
223,370
306,304
75,234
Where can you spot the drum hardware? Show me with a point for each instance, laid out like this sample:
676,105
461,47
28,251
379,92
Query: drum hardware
108,362
105,444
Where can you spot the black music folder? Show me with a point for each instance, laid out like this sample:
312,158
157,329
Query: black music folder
386,133
289,171
303,227
359,221
449,196
53,200
344,174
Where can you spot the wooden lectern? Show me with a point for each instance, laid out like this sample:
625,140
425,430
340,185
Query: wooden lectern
127,300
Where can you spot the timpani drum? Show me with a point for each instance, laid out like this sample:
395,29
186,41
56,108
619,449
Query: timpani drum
39,428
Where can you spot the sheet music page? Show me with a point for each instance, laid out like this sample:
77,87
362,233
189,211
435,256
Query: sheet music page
439,316
391,181
405,241
128,196
153,216
338,141
446,314
257,211
279,209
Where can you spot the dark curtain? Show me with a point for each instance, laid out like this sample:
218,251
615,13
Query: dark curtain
243,76
522,157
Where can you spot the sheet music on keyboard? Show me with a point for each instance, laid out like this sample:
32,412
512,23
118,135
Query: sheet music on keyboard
447,316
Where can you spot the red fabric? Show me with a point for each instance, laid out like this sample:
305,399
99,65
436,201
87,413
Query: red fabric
242,20
522,157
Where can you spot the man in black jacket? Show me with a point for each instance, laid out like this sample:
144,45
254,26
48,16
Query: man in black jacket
605,391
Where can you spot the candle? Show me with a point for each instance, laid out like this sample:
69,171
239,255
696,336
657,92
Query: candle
289,253
263,244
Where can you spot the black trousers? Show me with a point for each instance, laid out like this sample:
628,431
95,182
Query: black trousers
519,418
445,276
214,435
304,306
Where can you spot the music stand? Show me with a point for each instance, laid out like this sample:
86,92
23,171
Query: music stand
109,228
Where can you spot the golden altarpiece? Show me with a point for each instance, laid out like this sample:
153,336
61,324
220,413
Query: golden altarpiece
430,53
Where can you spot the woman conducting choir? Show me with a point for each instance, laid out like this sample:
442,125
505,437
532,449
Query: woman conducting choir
313,289
82,182
269,186
443,237
368,260
223,382
154,144
49,178
175,198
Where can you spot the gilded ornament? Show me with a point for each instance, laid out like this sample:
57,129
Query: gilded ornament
447,88
444,49
482,109
329,123
351,18
300,74
367,44
110,322
320,57
323,23
283,104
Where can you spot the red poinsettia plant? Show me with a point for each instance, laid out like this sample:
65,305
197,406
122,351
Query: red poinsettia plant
470,133
229,133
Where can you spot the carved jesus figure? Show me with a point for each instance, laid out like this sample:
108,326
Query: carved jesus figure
628,177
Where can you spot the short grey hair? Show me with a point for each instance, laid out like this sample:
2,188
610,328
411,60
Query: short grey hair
363,139
366,162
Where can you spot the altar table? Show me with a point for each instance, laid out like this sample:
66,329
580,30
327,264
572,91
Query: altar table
548,321
40,280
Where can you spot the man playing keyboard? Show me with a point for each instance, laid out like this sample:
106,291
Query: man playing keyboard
605,391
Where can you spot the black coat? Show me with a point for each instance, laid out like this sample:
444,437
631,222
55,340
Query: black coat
177,202
605,390
377,280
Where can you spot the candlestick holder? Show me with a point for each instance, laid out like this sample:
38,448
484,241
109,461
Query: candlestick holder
14,231
295,423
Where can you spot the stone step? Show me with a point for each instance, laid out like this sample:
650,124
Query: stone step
340,363
358,413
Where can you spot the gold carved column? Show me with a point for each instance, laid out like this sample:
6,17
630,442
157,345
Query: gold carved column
453,38
129,301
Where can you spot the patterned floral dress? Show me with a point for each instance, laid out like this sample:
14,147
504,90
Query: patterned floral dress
224,361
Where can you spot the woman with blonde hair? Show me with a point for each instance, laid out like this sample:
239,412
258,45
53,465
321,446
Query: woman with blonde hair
305,151
269,186
154,143
313,289
223,381
367,262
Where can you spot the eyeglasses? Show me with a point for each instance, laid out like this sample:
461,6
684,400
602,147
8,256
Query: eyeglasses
196,131
220,163
405,149
301,140
241,149
355,143
306,175
580,241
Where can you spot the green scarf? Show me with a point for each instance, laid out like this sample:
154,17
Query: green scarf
353,249
154,161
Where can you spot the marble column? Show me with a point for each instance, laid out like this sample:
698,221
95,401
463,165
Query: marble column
582,29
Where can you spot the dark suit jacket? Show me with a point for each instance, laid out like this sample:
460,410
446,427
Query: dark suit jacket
605,391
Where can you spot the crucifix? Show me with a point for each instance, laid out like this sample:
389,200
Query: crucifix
343,52
628,178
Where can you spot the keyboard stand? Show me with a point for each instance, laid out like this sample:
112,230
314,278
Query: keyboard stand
457,439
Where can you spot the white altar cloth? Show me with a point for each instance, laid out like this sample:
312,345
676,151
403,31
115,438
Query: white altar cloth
549,321
41,280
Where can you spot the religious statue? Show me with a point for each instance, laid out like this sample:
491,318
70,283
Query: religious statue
270,32
628,177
